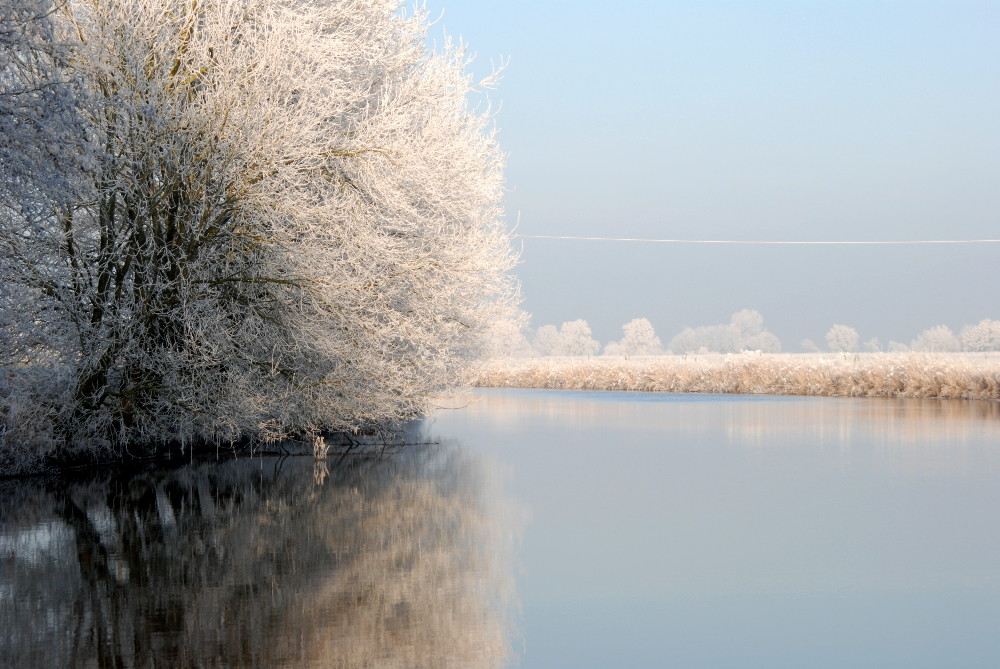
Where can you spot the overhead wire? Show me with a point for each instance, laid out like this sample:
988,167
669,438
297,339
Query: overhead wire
763,242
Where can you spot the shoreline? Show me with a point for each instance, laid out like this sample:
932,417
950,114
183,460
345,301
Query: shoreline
972,376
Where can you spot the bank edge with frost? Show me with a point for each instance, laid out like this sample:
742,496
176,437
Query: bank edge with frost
957,376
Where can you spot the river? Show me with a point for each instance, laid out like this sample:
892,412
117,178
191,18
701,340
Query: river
735,531
535,529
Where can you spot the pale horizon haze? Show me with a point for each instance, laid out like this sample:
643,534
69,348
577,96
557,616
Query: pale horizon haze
765,121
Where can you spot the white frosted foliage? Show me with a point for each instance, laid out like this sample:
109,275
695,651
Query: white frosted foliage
222,220
983,336
873,345
842,339
575,339
744,332
639,338
572,338
938,339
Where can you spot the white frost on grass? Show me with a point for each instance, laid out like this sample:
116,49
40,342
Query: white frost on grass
942,375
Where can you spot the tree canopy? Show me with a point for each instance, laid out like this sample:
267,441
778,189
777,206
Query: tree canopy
236,220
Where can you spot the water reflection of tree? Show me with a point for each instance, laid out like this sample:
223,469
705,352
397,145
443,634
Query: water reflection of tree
391,563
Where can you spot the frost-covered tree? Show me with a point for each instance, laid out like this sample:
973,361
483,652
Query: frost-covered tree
765,342
984,336
512,337
938,339
842,339
747,323
702,339
575,339
572,338
873,345
744,332
546,340
638,338
809,346
259,218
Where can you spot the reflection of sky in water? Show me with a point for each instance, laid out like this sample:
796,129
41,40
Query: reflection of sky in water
723,531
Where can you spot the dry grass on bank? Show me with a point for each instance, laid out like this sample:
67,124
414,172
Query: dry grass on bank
943,375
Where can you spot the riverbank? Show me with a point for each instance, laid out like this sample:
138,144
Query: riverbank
932,375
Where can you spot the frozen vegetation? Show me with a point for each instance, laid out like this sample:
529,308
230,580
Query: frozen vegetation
743,357
907,374
745,331
226,221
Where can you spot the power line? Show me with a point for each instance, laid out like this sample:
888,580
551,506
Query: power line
765,242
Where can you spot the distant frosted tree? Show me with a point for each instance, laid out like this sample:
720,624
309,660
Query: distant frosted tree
744,332
898,347
575,339
688,340
984,336
809,346
842,339
546,340
704,338
747,323
748,326
873,345
511,337
639,339
938,339
765,342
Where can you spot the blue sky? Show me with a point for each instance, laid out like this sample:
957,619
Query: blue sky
791,120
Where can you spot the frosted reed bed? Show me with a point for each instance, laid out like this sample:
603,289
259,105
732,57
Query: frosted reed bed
941,375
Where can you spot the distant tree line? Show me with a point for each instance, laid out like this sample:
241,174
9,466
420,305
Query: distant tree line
745,331
983,336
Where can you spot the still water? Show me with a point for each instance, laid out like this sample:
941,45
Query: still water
726,531
264,563
541,530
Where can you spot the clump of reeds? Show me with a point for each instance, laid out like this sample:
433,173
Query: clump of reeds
941,375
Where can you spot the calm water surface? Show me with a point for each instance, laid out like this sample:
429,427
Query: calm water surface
544,530
725,531
402,562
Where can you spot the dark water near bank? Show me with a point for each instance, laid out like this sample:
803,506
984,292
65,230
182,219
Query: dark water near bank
628,530
259,563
